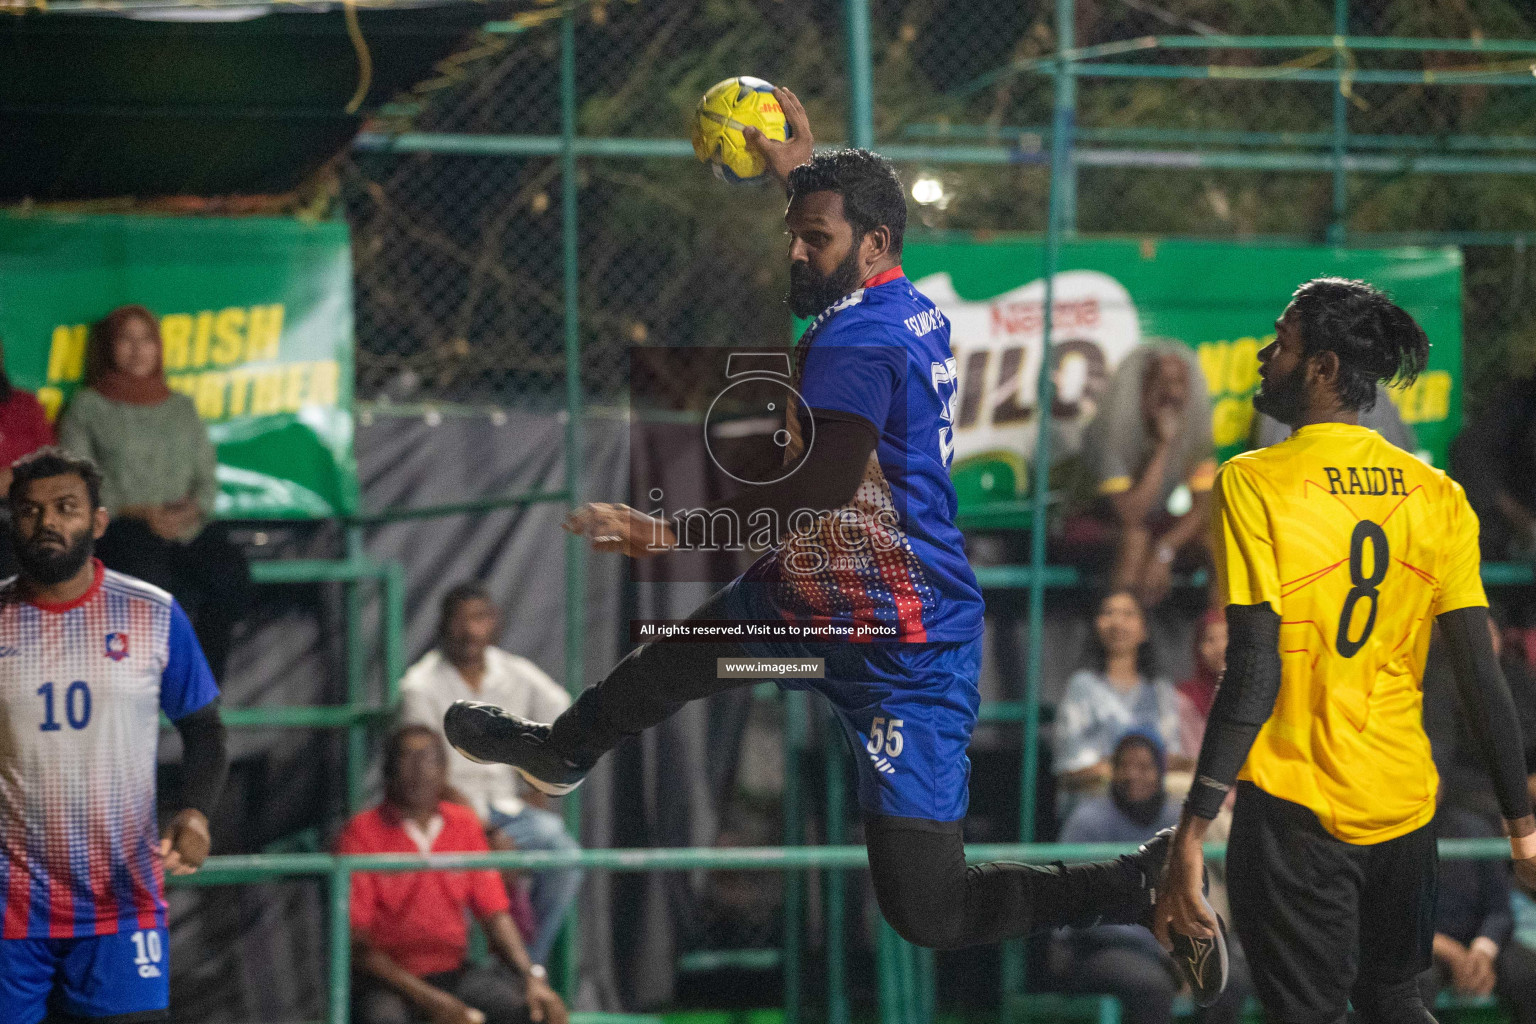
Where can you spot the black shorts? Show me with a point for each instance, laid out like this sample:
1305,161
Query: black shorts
1322,920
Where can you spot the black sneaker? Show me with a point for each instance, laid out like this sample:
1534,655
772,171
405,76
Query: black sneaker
489,735
1202,963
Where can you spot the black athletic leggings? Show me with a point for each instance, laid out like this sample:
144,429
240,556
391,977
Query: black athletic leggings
921,880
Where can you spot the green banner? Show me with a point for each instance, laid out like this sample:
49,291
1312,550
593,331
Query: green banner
256,318
1222,299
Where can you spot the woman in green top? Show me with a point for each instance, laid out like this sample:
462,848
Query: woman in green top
158,482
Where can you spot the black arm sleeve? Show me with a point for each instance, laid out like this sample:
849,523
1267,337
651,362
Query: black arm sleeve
1243,704
1486,705
204,757
826,477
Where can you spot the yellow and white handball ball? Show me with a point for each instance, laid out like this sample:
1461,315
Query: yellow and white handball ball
726,109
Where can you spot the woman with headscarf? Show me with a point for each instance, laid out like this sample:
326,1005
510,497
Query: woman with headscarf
158,477
1116,959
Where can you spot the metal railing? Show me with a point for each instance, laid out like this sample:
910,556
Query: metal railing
337,871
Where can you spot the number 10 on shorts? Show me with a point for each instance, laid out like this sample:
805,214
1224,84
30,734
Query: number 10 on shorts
148,952
885,743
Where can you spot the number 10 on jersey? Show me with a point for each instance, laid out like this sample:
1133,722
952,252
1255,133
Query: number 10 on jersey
77,706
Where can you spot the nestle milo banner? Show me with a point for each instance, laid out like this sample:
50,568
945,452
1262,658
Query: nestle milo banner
1219,298
256,318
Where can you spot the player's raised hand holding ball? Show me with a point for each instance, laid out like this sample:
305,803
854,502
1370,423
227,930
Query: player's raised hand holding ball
746,128
784,156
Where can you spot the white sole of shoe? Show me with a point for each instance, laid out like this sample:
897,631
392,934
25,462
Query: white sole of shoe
478,760
549,788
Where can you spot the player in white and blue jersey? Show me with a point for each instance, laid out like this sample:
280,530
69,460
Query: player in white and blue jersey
89,658
874,552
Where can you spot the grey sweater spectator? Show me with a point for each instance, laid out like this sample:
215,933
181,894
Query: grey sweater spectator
158,478
1149,461
1493,460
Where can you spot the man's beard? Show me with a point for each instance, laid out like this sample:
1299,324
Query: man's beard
1283,397
53,565
810,293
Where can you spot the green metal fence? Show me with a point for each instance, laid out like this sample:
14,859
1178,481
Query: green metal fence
475,285
896,985
1044,139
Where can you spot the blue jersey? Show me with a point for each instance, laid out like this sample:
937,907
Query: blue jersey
891,559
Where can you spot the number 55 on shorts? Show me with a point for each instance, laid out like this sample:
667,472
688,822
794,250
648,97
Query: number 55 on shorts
885,743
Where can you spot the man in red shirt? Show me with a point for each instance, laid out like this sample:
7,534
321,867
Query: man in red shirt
408,929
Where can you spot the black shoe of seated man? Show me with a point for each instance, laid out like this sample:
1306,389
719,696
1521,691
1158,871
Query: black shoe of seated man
486,733
1202,963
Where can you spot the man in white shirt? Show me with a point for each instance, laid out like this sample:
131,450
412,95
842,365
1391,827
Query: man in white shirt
465,666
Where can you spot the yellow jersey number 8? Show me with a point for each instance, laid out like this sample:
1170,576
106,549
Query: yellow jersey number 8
1364,586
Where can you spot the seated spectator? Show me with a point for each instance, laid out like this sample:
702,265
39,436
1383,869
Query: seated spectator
1475,950
24,428
1382,417
157,466
1124,960
1146,471
1492,460
1116,691
409,935
466,666
1197,693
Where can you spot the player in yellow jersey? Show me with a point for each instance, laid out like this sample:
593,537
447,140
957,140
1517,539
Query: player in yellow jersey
1336,554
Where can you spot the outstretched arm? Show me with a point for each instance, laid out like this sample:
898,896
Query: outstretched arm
826,479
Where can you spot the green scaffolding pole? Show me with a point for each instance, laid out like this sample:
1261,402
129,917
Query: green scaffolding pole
1225,42
1062,204
1037,137
837,881
1365,76
1158,159
1340,131
337,870
861,107
255,868
357,675
575,556
861,133
793,738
